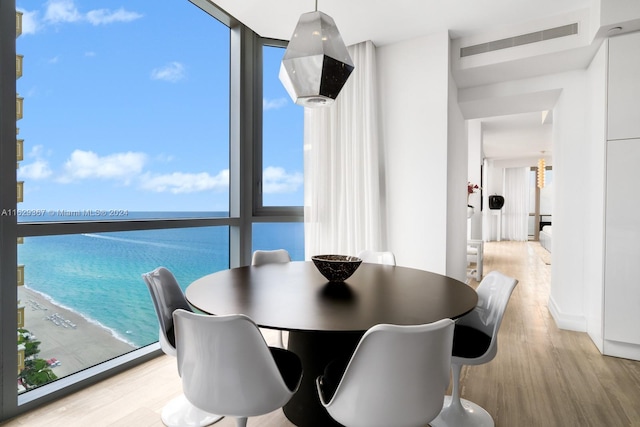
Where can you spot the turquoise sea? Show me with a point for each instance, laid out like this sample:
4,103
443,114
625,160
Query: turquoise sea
99,274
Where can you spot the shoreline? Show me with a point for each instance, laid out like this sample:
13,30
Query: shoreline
66,335
67,309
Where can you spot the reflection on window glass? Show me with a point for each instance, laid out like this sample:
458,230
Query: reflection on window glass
84,300
126,109
283,137
280,235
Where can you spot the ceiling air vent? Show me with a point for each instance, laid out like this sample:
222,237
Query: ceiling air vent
538,36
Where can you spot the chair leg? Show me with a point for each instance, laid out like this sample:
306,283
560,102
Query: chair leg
457,412
455,404
241,422
179,412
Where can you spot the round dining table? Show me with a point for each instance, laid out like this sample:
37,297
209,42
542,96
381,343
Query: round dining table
326,320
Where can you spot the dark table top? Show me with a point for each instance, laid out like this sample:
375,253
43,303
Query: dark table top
296,297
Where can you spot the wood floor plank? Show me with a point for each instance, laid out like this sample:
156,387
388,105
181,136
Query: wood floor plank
542,376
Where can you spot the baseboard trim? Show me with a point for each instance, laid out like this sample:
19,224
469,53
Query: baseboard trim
570,322
621,349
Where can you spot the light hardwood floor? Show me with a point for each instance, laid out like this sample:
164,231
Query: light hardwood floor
542,376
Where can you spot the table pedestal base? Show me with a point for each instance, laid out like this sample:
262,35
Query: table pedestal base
316,350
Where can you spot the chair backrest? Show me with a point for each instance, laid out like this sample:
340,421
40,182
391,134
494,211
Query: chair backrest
379,257
494,292
226,366
398,376
167,297
267,257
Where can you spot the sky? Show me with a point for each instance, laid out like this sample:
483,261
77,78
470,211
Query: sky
126,107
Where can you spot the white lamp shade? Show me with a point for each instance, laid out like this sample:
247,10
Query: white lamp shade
316,64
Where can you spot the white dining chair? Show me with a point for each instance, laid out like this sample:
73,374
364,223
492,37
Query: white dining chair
377,257
168,297
475,342
397,376
261,257
227,368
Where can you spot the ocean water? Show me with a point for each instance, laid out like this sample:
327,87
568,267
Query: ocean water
98,275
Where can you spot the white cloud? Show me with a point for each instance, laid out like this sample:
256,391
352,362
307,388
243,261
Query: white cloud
38,169
164,158
54,60
179,182
88,165
105,16
30,22
66,11
37,151
274,104
172,72
61,11
89,54
277,180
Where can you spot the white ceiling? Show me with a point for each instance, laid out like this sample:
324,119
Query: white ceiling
386,22
516,136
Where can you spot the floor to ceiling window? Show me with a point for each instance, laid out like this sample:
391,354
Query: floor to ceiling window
127,160
122,122
282,137
126,110
281,163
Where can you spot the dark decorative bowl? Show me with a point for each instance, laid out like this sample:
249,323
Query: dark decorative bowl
496,202
336,268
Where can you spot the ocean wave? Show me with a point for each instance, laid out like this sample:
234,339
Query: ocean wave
112,331
136,242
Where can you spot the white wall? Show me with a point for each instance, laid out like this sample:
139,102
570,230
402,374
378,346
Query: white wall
474,128
571,197
413,78
594,210
457,168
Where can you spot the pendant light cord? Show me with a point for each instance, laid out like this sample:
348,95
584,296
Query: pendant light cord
316,5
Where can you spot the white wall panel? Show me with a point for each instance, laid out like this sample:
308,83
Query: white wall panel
624,87
622,290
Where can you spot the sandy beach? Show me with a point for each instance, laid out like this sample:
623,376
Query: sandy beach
66,336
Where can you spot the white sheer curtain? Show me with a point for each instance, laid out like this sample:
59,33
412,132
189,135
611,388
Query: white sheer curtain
515,212
341,173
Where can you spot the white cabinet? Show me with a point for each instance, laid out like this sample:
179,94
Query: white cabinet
621,302
623,87
622,243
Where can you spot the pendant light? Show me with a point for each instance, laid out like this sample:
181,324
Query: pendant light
316,64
